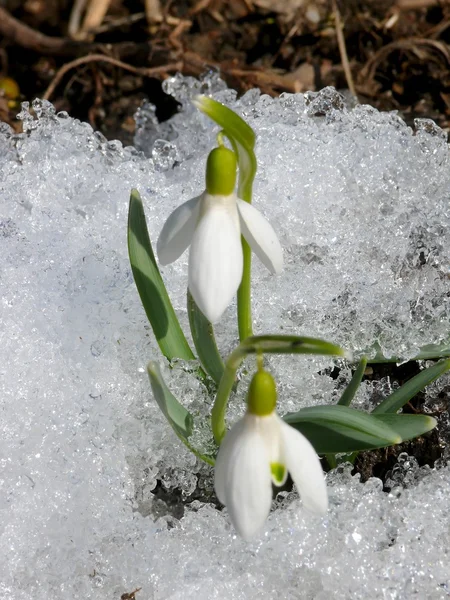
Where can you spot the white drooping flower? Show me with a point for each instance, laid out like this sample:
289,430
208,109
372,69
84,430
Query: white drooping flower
259,450
212,224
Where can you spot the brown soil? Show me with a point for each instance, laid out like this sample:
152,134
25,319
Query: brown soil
397,51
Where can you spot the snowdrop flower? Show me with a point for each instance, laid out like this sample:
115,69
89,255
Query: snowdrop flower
212,224
258,450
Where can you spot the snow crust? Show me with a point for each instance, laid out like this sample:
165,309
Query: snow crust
361,205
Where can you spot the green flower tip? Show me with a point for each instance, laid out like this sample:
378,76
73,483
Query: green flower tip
262,394
221,168
278,473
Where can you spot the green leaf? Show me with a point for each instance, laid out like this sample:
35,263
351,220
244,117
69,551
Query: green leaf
289,344
408,426
241,136
434,351
204,341
428,352
408,390
346,400
333,429
180,419
150,285
352,388
331,460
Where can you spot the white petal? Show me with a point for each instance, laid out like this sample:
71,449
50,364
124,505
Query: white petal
270,429
305,469
261,236
225,456
272,434
215,262
177,232
242,477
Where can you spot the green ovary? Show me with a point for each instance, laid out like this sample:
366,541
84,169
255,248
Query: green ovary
221,168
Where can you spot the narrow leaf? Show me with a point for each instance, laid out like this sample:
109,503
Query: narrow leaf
241,136
204,341
290,344
408,426
346,400
408,390
434,351
331,460
180,419
260,344
428,352
150,285
333,429
352,388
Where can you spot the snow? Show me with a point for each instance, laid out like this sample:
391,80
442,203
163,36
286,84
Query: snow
360,202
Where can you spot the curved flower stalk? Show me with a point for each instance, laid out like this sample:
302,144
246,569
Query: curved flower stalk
212,224
259,450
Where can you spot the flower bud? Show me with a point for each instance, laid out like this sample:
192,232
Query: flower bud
221,168
262,394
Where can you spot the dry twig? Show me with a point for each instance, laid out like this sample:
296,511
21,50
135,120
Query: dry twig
153,11
22,35
415,45
343,49
95,14
144,72
75,17
199,6
174,37
110,24
416,4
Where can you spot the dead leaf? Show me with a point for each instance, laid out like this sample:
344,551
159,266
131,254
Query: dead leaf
302,79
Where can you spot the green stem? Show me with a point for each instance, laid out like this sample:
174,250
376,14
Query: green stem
259,345
244,304
219,408
247,171
353,386
331,459
244,295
